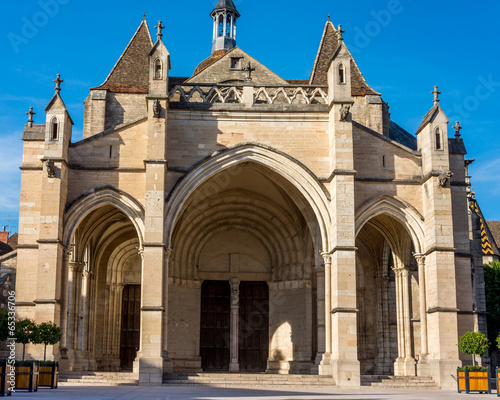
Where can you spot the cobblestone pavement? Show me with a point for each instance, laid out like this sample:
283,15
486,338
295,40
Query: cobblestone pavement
204,393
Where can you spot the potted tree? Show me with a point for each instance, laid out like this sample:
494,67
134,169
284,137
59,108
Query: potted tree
48,334
4,335
26,371
474,378
498,369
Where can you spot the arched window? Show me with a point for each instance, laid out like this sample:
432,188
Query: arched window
228,26
221,25
341,73
439,145
158,69
54,128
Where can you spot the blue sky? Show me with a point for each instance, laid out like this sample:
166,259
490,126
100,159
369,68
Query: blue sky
403,47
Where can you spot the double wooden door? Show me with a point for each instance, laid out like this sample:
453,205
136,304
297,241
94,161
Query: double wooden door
253,335
130,325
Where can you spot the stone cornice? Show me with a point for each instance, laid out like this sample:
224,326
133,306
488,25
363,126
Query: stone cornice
344,310
442,309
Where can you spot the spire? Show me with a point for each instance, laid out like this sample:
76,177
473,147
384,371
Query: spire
160,28
457,128
224,16
58,82
436,94
30,113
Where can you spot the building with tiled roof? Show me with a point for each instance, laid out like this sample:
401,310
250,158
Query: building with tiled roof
232,220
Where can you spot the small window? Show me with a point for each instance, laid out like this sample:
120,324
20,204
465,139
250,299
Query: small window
438,140
158,69
228,25
54,128
221,26
235,63
383,161
341,74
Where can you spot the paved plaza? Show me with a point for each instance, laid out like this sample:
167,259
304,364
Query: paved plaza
204,393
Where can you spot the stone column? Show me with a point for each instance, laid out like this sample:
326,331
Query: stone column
234,366
168,366
383,360
63,349
325,366
422,367
405,363
320,313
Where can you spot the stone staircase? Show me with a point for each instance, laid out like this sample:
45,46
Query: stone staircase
399,382
249,380
98,379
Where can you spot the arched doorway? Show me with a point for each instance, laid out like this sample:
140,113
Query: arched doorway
101,314
392,328
249,228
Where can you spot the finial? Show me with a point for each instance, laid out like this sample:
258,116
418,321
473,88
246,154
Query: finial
457,128
436,94
30,119
249,71
58,82
340,32
160,27
144,18
329,20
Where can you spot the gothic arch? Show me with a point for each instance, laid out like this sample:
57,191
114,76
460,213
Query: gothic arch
285,166
96,198
400,210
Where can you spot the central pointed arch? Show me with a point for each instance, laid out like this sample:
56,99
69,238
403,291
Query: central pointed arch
285,166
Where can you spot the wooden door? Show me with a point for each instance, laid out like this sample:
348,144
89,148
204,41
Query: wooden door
131,329
254,326
215,325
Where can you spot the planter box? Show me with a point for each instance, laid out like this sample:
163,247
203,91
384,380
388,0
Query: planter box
27,377
497,377
474,381
48,375
5,379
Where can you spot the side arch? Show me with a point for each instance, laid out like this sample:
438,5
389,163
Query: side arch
400,210
96,198
285,166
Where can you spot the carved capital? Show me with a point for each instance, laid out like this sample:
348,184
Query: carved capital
140,251
168,254
327,258
76,266
420,258
235,292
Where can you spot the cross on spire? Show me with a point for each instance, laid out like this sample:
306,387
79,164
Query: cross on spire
58,82
249,71
436,94
160,28
340,32
457,128
30,119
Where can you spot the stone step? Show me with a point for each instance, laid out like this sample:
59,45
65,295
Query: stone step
398,382
249,380
98,378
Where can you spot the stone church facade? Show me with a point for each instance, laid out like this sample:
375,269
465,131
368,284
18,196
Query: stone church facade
234,221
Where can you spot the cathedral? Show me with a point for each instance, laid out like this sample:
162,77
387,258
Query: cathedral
236,221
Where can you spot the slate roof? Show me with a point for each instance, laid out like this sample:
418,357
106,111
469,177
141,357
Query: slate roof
131,72
494,227
226,5
36,133
327,48
207,62
401,136
456,146
4,248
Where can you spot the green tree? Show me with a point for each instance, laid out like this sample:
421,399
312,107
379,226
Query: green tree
4,325
26,332
491,284
49,333
474,343
498,341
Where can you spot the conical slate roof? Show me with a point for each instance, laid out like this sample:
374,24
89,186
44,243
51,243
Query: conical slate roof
225,5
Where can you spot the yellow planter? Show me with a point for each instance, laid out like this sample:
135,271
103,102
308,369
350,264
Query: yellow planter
497,375
474,381
48,376
5,379
27,377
